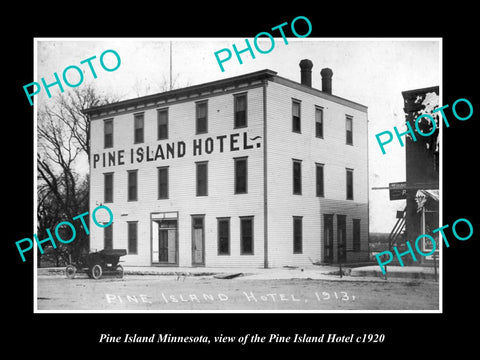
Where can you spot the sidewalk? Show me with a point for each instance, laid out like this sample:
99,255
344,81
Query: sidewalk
409,272
322,272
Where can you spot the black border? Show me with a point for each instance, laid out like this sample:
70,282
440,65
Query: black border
406,334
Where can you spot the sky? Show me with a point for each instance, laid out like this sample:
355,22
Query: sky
370,71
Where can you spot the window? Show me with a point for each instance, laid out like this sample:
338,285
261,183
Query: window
108,187
318,122
163,182
349,128
297,235
240,108
201,117
108,237
202,178
132,185
241,175
108,133
296,126
297,177
132,237
223,225
356,234
349,184
319,180
162,124
138,128
246,235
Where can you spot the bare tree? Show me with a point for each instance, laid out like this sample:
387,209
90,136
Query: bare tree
63,146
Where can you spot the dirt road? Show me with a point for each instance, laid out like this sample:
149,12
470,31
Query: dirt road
168,293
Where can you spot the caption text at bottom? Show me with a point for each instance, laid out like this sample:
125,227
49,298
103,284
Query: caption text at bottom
247,338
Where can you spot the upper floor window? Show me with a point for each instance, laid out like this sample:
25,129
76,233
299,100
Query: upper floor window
202,178
349,184
349,129
240,110
163,182
319,180
138,128
318,122
201,122
241,175
132,185
297,177
108,133
296,122
108,187
162,124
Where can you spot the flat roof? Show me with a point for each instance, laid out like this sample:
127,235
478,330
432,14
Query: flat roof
200,89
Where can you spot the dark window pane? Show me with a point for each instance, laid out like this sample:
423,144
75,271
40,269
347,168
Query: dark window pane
108,133
349,129
132,185
163,183
223,237
138,120
198,222
108,191
319,122
201,117
240,176
297,177
319,180
297,235
240,111
349,184
202,179
246,234
296,126
162,124
132,238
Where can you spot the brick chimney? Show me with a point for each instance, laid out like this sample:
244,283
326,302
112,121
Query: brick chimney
306,72
326,80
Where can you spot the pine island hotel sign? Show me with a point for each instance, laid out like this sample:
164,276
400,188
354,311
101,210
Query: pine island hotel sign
249,171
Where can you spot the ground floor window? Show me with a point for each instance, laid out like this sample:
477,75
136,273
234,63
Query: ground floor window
297,235
223,230
246,235
132,237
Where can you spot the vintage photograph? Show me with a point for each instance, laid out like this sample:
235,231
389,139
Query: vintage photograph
238,175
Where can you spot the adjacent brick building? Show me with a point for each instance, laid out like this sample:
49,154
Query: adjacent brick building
250,171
